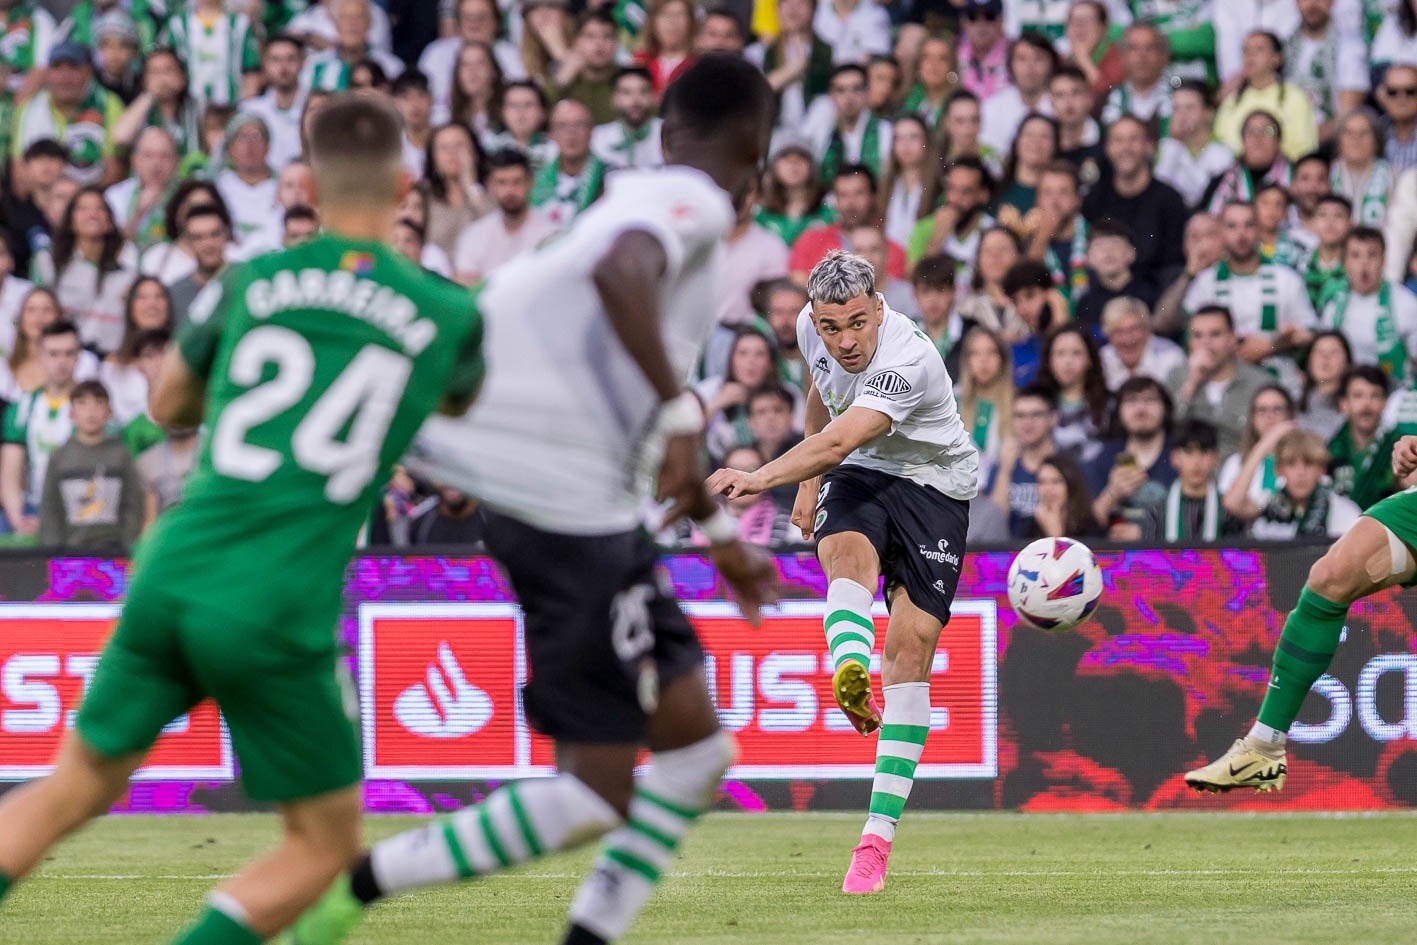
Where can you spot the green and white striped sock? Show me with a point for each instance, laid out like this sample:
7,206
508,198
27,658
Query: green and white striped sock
851,633
671,793
521,821
905,721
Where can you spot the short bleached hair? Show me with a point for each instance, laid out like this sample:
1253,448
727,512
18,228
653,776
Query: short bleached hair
841,277
1121,307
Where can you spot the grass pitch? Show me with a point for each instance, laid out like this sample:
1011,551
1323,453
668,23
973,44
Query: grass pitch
984,879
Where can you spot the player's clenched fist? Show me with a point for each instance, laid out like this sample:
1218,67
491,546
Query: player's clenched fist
734,483
1404,457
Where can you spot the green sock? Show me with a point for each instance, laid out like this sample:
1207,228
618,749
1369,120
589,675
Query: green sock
214,927
1305,649
5,884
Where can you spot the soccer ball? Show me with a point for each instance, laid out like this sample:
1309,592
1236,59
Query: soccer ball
1054,584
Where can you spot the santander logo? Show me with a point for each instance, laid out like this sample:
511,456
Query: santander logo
445,705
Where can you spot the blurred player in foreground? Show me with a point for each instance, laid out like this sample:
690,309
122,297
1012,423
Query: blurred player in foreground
1376,553
590,340
313,368
900,469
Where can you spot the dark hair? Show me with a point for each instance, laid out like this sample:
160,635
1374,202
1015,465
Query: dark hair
971,163
460,106
61,326
413,225
287,39
301,212
1039,42
846,67
1011,163
66,241
1339,199
1148,130
639,72
45,148
1368,373
1108,226
1342,340
1094,384
739,333
1217,311
437,185
530,86
1039,392
1365,234
1069,71
508,157
1266,186
151,338
1207,96
207,210
1311,156
599,15
1027,274
410,80
717,94
1061,167
127,348
1138,384
173,226
856,170
773,390
378,78
92,389
1191,434
1078,518
961,95
1265,115
724,13
936,271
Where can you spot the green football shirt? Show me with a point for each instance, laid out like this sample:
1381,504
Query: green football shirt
321,363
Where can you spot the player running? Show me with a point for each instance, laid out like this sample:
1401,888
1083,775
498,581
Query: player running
900,470
1376,553
313,369
590,340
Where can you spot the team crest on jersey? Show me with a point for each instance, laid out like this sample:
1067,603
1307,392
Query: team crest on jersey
361,264
888,383
821,364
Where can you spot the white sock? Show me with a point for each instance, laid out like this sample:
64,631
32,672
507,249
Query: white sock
676,787
851,633
1262,735
518,822
905,721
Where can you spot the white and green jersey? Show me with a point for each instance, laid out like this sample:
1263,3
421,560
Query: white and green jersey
86,133
41,426
327,72
146,14
217,51
26,33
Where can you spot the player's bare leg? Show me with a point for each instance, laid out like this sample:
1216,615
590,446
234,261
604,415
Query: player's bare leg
1368,558
689,754
911,639
37,815
853,570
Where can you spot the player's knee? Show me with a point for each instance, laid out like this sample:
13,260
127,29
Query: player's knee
1337,580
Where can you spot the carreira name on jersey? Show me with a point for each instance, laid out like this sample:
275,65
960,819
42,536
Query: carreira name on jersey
345,292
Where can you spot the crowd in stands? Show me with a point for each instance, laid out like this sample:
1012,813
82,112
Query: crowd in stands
1166,247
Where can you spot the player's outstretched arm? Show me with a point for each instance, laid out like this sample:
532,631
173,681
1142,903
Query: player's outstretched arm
179,396
812,457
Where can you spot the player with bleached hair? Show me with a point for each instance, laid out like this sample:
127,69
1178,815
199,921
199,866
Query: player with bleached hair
886,474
